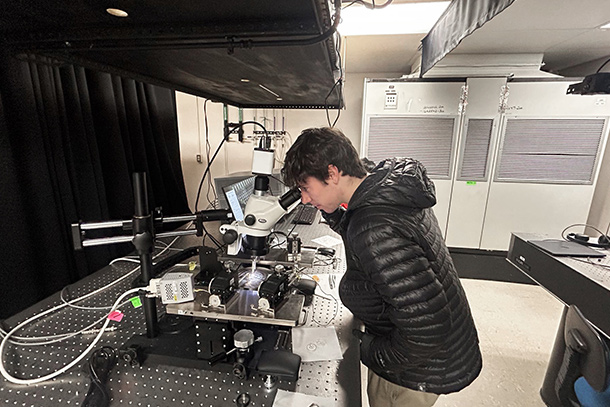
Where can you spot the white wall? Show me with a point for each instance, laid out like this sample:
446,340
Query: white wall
599,215
237,157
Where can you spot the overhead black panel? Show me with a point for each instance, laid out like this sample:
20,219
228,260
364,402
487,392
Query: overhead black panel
460,19
268,53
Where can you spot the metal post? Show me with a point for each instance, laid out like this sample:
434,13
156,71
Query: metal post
143,240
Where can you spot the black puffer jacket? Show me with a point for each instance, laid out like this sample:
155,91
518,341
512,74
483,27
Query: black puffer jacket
401,283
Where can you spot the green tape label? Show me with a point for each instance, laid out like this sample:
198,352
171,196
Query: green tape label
136,302
471,183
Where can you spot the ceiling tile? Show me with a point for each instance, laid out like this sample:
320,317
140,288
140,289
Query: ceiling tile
381,53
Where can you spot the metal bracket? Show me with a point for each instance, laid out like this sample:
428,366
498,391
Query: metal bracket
504,91
463,100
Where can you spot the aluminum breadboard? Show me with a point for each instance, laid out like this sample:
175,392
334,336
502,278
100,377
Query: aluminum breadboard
319,229
163,385
597,269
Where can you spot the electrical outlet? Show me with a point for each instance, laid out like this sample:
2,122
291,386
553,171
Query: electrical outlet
391,99
199,158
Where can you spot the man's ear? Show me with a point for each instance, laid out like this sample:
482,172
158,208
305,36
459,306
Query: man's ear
333,174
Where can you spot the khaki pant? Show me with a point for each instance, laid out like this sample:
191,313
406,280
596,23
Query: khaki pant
385,394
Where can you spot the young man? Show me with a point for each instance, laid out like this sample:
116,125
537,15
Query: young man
420,339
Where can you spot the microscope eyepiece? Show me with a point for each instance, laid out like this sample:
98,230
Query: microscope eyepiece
290,197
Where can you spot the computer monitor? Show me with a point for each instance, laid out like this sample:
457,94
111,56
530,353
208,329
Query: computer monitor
276,187
221,182
237,196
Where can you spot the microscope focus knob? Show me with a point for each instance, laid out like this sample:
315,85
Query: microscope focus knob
229,236
250,219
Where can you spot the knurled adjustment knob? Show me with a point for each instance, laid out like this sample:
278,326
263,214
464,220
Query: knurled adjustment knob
250,219
229,236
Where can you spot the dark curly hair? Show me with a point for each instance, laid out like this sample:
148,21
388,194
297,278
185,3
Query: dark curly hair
314,150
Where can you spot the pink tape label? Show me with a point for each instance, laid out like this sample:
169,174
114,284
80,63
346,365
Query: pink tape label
115,316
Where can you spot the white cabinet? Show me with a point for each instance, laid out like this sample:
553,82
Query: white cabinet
424,124
505,157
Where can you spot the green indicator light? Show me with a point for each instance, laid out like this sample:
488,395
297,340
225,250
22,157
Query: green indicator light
471,183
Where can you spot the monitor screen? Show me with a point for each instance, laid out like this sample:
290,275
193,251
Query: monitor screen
237,196
276,187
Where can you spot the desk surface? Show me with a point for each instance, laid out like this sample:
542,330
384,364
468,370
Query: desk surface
165,385
584,282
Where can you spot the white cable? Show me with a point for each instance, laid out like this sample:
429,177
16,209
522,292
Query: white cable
71,302
66,304
124,259
48,339
17,380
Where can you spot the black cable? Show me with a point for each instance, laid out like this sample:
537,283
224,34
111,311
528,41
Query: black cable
100,365
205,173
604,64
165,264
279,243
328,299
301,209
207,153
339,83
371,6
278,180
564,237
278,232
351,4
326,103
212,238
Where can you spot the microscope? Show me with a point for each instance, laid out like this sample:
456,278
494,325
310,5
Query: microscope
270,272
209,315
249,236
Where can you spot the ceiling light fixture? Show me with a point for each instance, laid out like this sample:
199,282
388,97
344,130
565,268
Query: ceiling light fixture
116,12
606,26
269,90
405,18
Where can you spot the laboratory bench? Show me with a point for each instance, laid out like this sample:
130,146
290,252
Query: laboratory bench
160,382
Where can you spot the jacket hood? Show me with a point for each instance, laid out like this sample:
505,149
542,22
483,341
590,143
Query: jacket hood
396,181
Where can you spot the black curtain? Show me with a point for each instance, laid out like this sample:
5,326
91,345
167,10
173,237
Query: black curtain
70,139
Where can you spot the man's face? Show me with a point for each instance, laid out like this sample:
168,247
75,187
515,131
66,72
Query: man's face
322,195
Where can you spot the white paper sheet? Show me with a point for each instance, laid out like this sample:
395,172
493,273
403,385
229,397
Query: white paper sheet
316,344
327,241
285,398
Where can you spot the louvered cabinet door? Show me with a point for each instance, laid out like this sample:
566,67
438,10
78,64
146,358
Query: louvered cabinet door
426,139
550,150
471,187
544,177
476,154
431,140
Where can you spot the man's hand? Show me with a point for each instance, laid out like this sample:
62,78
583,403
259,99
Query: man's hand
365,339
365,348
